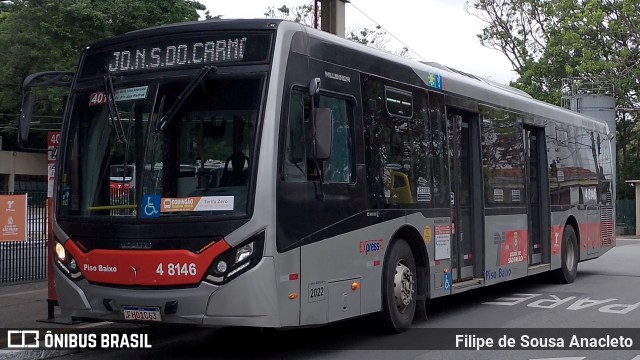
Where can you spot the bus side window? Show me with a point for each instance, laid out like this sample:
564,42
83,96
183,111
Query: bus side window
339,167
298,164
295,158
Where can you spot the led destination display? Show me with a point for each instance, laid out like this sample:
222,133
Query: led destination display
216,49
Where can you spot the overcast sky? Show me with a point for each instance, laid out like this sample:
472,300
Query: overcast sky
438,30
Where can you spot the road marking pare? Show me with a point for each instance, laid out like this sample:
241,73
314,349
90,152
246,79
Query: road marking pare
571,302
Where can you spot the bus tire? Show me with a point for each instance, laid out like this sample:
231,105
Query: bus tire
569,267
399,287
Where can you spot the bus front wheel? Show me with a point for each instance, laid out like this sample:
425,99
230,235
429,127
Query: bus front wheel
569,268
399,287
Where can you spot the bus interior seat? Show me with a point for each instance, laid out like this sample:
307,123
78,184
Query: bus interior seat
236,175
400,189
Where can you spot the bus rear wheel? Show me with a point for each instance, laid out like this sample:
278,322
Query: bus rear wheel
569,268
399,287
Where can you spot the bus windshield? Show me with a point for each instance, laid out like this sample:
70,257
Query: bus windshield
137,164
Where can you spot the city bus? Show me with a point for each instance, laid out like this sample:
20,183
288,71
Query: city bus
122,176
343,181
122,187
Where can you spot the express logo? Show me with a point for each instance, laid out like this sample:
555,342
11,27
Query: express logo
371,246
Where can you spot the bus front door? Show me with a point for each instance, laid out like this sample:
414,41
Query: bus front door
466,250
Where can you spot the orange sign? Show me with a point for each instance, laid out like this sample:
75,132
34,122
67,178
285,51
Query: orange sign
13,217
197,203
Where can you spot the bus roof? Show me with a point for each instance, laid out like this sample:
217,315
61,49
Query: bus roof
456,82
189,27
473,87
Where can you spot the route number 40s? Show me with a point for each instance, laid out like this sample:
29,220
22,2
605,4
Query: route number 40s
177,269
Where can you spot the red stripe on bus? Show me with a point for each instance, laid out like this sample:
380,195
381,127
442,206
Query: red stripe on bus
145,267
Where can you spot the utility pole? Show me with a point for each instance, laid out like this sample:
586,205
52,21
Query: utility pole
333,16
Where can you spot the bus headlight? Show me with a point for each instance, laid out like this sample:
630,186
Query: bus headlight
61,252
244,252
67,263
236,260
221,267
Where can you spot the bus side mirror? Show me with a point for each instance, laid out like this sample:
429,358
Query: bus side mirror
314,86
24,122
45,79
324,132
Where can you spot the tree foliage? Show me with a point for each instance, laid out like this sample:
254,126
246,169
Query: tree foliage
42,35
304,14
596,41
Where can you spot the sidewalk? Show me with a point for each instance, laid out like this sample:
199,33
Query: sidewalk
23,304
627,237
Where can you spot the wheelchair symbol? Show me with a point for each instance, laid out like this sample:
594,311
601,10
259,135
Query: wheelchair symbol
151,208
447,281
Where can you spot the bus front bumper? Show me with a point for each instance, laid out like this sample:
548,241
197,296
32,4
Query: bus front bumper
248,300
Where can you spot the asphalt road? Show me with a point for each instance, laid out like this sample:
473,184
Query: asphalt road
604,296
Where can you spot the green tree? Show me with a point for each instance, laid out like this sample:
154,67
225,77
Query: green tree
596,41
41,35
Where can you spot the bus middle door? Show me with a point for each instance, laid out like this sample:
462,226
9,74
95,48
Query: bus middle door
467,250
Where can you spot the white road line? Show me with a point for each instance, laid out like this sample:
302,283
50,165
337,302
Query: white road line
9,353
103,323
562,358
24,293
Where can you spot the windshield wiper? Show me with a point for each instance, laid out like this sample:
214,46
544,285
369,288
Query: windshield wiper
184,95
113,109
150,140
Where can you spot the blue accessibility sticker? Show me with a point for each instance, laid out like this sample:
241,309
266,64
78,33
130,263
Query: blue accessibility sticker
150,206
447,281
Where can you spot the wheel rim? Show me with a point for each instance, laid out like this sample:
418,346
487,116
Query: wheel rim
403,284
571,254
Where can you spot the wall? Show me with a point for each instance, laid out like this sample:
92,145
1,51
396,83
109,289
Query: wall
14,163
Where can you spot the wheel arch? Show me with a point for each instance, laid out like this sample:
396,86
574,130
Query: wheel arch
420,256
571,221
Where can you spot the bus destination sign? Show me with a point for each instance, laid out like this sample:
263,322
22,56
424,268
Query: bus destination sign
209,52
179,52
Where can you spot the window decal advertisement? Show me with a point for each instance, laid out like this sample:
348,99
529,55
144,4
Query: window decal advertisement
204,203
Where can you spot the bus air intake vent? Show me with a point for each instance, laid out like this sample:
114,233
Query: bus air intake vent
606,229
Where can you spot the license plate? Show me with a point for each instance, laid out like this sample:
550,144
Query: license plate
141,313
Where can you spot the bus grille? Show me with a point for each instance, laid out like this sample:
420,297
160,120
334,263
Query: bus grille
606,230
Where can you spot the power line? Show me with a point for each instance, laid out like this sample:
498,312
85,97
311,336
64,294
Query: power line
387,31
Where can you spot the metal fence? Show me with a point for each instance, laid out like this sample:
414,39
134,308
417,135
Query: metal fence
27,260
626,217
